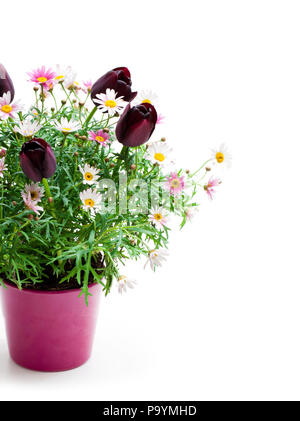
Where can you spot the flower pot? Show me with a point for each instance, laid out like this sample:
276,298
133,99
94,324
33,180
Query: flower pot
50,330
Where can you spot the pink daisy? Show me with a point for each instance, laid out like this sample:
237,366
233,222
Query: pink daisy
175,184
160,119
31,204
87,86
2,167
209,187
99,136
43,76
6,108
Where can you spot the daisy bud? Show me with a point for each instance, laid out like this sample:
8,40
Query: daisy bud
133,167
81,104
163,139
35,88
112,165
106,159
30,217
6,84
187,171
208,168
118,79
136,124
76,135
63,101
50,199
106,130
76,153
37,159
74,101
14,203
52,109
83,137
37,218
2,152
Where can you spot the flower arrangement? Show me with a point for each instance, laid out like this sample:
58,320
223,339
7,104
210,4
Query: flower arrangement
82,188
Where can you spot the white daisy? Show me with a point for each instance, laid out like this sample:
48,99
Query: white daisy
90,200
124,282
147,96
3,167
8,109
159,153
158,217
34,191
66,126
90,174
222,155
156,258
63,73
27,128
110,103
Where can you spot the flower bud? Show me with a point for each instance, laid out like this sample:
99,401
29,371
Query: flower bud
6,84
37,159
2,152
118,79
136,124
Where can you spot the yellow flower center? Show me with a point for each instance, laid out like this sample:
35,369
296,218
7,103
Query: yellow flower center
42,79
159,157
158,216
6,108
100,139
110,103
88,176
89,202
59,77
122,278
33,195
146,101
66,129
219,157
153,253
175,183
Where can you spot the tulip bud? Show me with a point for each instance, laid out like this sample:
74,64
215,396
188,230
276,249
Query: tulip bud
119,80
6,84
136,124
37,159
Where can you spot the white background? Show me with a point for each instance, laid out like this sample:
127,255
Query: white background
221,319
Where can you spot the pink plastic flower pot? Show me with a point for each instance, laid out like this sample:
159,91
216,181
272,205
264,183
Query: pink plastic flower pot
50,330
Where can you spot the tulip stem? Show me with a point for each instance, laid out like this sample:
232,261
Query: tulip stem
88,119
50,198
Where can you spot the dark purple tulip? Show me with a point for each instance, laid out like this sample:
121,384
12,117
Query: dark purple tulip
136,124
117,79
37,159
6,84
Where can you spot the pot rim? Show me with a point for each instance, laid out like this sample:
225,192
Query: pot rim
45,292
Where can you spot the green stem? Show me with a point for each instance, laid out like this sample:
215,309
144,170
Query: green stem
89,117
48,194
206,162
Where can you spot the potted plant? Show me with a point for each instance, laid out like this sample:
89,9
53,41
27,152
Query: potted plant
81,191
